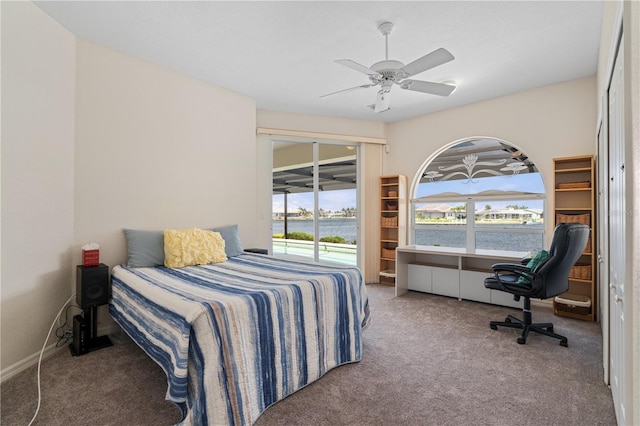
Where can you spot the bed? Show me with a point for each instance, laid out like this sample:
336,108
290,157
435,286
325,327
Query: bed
235,337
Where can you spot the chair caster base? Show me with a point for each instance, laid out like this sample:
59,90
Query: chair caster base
526,327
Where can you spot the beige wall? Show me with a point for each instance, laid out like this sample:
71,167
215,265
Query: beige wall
156,149
95,141
38,84
552,121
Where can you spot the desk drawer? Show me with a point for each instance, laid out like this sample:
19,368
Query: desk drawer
445,281
472,286
419,278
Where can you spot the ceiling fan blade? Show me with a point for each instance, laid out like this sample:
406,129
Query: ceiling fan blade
439,89
356,66
428,61
364,86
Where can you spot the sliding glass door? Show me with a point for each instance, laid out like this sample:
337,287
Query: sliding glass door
315,212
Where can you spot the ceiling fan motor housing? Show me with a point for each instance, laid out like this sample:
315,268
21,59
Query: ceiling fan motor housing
389,70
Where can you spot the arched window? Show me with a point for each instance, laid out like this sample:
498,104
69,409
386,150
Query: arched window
479,193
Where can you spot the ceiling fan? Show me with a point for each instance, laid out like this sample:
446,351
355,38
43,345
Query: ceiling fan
389,72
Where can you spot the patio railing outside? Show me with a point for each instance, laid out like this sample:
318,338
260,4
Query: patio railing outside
343,254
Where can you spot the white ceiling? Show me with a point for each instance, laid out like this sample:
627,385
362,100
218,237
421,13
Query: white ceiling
282,53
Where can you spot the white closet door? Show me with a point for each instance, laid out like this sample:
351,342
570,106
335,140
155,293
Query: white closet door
617,240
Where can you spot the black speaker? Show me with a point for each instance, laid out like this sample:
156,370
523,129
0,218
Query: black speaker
92,285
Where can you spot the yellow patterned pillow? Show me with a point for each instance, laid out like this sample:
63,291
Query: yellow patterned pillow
193,246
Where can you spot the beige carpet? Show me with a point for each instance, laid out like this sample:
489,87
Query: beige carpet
428,360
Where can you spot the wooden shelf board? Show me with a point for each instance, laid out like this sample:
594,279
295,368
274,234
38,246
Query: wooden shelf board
580,280
572,189
574,170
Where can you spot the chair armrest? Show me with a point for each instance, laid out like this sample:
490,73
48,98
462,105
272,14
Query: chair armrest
516,271
515,268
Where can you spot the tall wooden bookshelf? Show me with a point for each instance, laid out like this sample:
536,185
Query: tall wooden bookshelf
393,224
574,201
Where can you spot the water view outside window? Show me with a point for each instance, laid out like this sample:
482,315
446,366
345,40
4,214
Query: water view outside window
514,225
508,239
337,220
441,224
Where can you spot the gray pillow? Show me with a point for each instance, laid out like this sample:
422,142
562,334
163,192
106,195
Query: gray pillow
144,248
231,237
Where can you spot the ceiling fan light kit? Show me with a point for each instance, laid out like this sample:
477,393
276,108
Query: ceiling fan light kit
388,72
382,101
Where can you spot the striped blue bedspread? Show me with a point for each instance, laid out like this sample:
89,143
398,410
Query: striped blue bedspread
236,337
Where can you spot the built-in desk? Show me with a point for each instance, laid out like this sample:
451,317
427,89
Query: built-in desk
454,272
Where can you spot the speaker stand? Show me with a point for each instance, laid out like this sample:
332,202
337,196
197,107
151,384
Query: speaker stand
95,342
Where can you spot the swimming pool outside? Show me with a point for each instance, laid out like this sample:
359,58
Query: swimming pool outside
343,254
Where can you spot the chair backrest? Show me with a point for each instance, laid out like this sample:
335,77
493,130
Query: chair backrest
568,243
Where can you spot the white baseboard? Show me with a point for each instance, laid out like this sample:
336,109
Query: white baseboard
49,351
22,365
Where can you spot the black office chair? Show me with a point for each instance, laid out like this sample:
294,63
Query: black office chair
547,279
